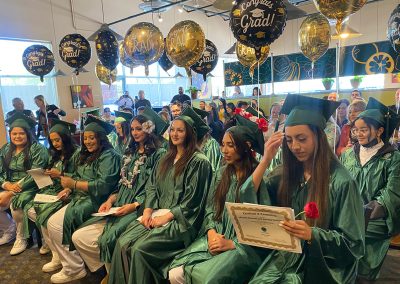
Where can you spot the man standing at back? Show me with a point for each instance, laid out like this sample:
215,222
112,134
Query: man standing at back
18,105
142,102
180,97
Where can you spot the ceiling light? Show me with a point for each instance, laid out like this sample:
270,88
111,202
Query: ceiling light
180,9
159,17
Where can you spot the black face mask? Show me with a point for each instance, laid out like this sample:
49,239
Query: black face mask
371,143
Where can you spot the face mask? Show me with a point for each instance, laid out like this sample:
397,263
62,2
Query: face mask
372,143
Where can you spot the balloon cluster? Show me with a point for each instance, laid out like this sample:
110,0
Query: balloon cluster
38,60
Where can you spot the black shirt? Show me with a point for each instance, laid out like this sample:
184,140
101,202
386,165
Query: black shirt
142,103
180,98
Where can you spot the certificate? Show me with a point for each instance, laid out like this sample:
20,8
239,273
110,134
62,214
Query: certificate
258,225
45,198
109,212
40,178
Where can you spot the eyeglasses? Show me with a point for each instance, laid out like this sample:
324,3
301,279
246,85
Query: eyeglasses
356,131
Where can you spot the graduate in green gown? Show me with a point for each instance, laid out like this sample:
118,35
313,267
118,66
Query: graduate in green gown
375,164
95,178
95,241
22,153
216,256
122,125
208,145
332,243
179,185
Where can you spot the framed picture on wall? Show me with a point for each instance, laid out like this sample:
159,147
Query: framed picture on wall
81,95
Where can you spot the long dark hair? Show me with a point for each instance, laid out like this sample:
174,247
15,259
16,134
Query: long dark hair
86,157
151,142
293,172
126,126
68,149
190,145
247,165
8,156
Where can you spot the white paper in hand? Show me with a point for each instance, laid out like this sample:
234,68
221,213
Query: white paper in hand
109,212
157,213
40,178
45,198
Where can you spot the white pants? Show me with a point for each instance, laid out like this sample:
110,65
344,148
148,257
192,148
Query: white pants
85,241
71,260
176,275
18,215
32,214
7,225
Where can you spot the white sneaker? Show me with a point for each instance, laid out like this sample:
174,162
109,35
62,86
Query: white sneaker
44,249
19,247
7,238
53,265
62,277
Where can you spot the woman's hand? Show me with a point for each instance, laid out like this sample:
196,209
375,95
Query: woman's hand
146,218
159,221
13,187
126,209
219,244
297,228
53,173
105,207
271,147
67,182
64,194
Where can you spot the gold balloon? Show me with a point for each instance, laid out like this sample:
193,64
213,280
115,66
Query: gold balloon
126,60
185,44
338,9
247,56
144,43
105,75
314,37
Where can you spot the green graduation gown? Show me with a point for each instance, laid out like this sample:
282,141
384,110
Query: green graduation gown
148,253
38,157
102,175
120,148
212,151
45,210
334,252
232,266
127,193
378,179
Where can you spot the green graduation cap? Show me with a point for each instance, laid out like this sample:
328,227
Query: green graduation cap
254,112
382,114
250,132
21,120
161,125
195,121
63,127
93,111
122,116
97,125
202,113
306,110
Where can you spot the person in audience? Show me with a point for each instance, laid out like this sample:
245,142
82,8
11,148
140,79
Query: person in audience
332,238
179,184
107,116
274,117
221,111
341,118
63,157
202,105
122,127
22,153
94,179
216,256
45,114
125,101
142,101
140,110
18,105
256,92
333,97
355,108
216,126
127,109
237,92
243,104
95,241
165,116
356,95
375,164
180,97
254,104
176,109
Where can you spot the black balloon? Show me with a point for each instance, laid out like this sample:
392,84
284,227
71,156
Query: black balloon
164,61
38,60
107,49
393,30
258,23
75,51
207,61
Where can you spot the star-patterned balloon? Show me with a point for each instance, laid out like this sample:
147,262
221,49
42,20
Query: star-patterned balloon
107,49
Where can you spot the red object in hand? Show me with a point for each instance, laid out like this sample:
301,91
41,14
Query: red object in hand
262,124
238,110
311,210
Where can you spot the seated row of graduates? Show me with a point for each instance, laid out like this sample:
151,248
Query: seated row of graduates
194,242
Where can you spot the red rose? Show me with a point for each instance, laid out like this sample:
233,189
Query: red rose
247,115
238,110
262,125
311,210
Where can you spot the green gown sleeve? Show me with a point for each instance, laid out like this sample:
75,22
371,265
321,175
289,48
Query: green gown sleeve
39,158
209,222
248,193
197,179
390,195
3,174
107,176
213,153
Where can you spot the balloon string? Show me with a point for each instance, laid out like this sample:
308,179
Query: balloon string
75,83
337,90
259,87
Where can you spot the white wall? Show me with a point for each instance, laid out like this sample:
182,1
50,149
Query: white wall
32,19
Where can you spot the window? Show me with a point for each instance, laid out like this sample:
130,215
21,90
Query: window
16,81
